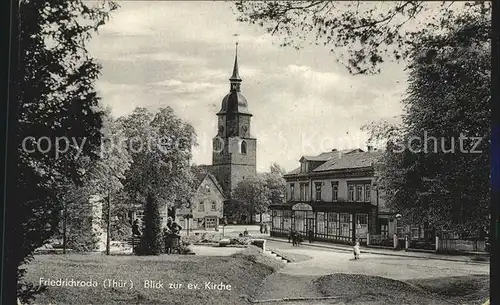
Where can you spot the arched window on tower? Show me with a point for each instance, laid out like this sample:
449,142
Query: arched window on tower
243,148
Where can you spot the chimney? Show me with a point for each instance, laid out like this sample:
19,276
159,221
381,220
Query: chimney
370,148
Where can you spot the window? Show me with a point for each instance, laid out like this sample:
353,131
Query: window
368,193
321,223
415,233
292,191
351,192
277,219
214,206
210,222
332,223
318,190
201,207
243,147
335,191
384,230
345,218
302,167
345,225
362,219
359,193
303,191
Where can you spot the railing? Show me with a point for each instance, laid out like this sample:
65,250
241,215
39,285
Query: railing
461,245
381,240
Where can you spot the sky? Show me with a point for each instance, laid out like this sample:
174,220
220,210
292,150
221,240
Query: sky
180,54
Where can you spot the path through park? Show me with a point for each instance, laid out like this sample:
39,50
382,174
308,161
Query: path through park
300,279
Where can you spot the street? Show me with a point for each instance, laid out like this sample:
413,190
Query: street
326,261
358,282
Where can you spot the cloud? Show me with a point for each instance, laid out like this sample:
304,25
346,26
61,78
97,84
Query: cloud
181,54
178,86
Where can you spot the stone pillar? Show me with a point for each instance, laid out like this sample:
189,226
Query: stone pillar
407,242
437,243
395,241
368,238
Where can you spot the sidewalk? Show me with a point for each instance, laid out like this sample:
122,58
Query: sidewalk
399,253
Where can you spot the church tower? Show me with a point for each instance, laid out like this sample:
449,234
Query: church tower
234,149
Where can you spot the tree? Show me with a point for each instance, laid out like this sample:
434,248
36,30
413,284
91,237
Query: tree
443,182
56,99
151,231
160,145
369,32
276,184
253,195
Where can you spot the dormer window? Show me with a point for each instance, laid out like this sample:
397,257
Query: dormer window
303,167
243,148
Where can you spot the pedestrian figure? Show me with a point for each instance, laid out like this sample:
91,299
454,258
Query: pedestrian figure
167,239
171,235
136,233
135,228
311,235
300,239
356,250
261,228
265,228
245,233
289,235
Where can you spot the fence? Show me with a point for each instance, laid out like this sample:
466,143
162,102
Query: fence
380,240
462,245
422,244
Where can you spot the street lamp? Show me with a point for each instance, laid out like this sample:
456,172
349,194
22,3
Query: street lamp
377,226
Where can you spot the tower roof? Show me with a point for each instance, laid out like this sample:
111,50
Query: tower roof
236,75
234,101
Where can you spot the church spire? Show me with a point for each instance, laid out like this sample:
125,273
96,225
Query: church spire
235,78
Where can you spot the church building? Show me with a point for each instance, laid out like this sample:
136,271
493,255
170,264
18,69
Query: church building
234,158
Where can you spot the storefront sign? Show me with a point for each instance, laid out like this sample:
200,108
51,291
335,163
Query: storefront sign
302,207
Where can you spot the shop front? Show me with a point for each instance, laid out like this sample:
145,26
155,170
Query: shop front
338,224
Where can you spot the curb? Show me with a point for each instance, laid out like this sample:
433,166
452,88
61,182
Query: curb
291,300
388,254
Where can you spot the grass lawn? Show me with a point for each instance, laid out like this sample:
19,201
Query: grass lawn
474,289
243,271
361,289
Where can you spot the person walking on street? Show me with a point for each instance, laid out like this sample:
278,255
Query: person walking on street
311,236
261,228
265,229
356,250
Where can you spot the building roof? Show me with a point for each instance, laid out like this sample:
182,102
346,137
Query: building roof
329,155
200,173
234,102
339,160
351,160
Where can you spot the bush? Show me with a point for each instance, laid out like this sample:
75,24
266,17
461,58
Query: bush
189,240
211,237
240,241
151,239
184,249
